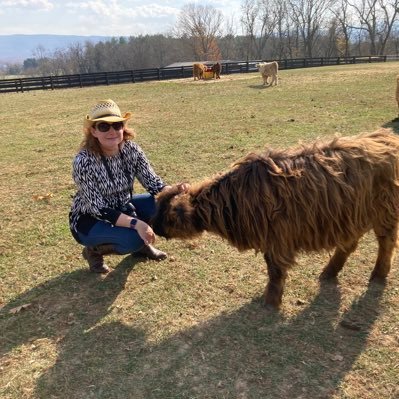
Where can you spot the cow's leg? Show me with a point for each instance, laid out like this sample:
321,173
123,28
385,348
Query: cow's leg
386,245
277,272
338,260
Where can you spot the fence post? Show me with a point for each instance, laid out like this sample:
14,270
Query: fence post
22,87
159,74
51,83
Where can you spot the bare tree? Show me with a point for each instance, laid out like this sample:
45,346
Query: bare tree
259,19
281,47
44,60
376,18
309,17
344,19
227,43
200,26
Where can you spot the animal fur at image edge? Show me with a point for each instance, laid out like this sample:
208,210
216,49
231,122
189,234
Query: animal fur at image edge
315,197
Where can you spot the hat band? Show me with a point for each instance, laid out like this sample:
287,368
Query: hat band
104,116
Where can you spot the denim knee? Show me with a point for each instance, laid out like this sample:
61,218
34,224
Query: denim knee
124,240
128,242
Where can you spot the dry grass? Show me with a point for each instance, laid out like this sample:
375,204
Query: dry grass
192,326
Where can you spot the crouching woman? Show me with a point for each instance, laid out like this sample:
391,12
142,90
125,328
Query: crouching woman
106,217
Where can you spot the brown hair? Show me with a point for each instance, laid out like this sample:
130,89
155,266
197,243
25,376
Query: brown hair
91,144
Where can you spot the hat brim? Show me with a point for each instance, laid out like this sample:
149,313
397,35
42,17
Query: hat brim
89,122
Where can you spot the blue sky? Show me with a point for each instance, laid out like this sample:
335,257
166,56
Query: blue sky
98,17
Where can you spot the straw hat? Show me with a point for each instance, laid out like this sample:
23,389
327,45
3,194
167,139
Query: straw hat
105,111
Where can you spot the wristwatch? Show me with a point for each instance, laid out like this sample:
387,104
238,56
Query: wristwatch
133,223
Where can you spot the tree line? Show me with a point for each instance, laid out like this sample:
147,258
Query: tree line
266,30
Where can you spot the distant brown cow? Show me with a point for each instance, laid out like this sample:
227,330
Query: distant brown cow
198,71
216,69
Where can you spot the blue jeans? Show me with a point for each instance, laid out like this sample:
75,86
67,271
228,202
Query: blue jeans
125,240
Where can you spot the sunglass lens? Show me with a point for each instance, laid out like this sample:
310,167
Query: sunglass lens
117,125
104,126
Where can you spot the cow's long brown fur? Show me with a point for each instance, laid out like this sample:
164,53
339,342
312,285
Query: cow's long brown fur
320,196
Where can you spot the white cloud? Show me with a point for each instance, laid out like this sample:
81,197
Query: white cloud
115,9
115,18
99,7
99,17
153,11
31,4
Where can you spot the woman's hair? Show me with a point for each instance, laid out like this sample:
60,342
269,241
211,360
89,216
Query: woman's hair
91,144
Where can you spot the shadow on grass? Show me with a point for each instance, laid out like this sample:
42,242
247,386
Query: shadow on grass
244,354
259,87
393,124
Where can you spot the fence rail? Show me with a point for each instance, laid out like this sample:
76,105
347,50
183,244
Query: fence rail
142,75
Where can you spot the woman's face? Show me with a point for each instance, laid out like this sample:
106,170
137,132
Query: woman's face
109,135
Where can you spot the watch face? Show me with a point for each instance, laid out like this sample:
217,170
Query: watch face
133,223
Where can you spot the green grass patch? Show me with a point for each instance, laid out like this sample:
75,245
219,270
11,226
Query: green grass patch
192,326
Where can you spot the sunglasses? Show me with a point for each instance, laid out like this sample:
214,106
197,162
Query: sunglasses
104,126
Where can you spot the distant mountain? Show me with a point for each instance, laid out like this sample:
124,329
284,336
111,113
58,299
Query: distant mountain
17,48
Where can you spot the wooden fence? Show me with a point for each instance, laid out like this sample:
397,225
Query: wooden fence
143,75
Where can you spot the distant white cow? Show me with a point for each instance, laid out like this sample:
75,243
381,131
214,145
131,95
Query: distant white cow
267,69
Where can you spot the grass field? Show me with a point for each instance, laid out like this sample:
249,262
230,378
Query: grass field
192,326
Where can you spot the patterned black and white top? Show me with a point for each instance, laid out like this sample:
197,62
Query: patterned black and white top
98,197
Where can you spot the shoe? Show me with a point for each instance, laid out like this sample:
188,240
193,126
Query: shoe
95,258
151,252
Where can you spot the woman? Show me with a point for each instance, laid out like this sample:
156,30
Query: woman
105,216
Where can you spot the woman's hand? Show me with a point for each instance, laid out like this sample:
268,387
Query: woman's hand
145,232
143,229
182,187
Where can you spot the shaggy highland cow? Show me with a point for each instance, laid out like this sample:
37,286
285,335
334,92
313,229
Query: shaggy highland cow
198,71
316,197
216,69
267,69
